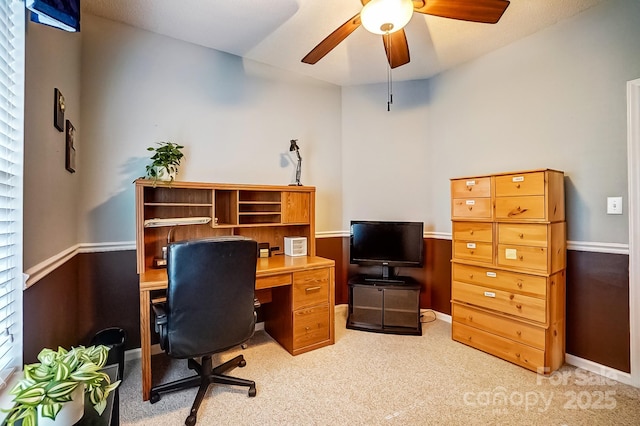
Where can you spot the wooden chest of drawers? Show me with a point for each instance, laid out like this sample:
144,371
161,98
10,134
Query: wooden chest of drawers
508,266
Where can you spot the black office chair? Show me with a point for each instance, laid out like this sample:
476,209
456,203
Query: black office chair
210,308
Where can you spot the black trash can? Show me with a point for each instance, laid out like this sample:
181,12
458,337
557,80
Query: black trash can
114,338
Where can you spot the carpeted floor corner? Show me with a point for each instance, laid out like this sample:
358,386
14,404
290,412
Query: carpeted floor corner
379,379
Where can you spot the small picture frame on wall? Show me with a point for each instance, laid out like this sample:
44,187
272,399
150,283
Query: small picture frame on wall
58,110
70,152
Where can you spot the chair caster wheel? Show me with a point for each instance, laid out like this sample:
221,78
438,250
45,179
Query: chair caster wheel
155,397
242,363
191,420
252,391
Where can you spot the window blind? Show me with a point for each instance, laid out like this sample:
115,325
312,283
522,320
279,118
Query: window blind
12,33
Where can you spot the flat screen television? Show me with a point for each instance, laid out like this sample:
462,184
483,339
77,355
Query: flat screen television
387,244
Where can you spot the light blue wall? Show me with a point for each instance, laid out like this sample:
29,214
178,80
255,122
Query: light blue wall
51,193
556,99
235,118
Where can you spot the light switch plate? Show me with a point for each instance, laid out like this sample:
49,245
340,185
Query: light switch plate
614,205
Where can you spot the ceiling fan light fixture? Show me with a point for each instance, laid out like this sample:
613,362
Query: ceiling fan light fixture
386,16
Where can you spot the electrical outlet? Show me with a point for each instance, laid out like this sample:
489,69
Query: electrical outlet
614,205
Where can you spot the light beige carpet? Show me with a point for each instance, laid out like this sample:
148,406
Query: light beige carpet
379,379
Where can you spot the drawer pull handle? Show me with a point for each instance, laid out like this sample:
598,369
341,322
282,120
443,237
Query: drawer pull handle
521,235
519,284
470,276
518,186
521,258
470,232
307,328
470,208
308,289
517,355
511,296
470,318
518,306
519,333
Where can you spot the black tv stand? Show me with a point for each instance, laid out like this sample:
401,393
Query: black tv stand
383,280
390,305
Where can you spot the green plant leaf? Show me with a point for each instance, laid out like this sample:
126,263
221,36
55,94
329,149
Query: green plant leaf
31,396
57,390
100,406
51,410
61,372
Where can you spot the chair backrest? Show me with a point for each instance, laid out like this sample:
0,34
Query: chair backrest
210,297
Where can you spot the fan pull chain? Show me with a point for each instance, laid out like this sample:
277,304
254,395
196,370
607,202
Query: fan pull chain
389,79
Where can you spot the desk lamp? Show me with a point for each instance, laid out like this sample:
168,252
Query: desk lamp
294,147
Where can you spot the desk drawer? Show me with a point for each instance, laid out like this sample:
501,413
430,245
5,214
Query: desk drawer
507,349
501,301
310,326
521,234
520,184
472,250
511,329
474,187
473,231
530,285
523,257
531,207
273,281
310,288
471,208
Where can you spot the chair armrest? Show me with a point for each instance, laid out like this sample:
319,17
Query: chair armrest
160,313
159,310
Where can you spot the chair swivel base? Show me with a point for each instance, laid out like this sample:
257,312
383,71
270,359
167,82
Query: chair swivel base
205,377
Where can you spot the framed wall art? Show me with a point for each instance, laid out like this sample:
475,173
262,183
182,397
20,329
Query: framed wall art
58,110
70,151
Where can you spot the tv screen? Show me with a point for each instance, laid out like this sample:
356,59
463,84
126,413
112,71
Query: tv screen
389,244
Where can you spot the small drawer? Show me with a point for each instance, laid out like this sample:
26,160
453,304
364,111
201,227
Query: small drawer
310,288
507,349
535,235
471,187
511,329
506,302
530,207
473,231
273,281
529,285
310,326
523,257
520,184
475,251
471,208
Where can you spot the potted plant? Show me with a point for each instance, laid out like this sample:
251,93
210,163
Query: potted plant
165,161
49,385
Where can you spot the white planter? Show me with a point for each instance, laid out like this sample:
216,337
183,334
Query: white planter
163,174
70,413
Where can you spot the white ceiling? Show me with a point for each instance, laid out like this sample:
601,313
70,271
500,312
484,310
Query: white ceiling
281,32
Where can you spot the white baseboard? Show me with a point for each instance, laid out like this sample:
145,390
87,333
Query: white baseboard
603,370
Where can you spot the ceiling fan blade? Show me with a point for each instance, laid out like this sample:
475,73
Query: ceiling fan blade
332,40
484,11
395,44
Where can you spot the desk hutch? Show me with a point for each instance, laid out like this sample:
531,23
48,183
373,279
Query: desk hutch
297,293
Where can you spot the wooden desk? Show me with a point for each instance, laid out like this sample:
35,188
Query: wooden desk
298,296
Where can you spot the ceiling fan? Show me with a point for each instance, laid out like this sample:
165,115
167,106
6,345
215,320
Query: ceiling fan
377,17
